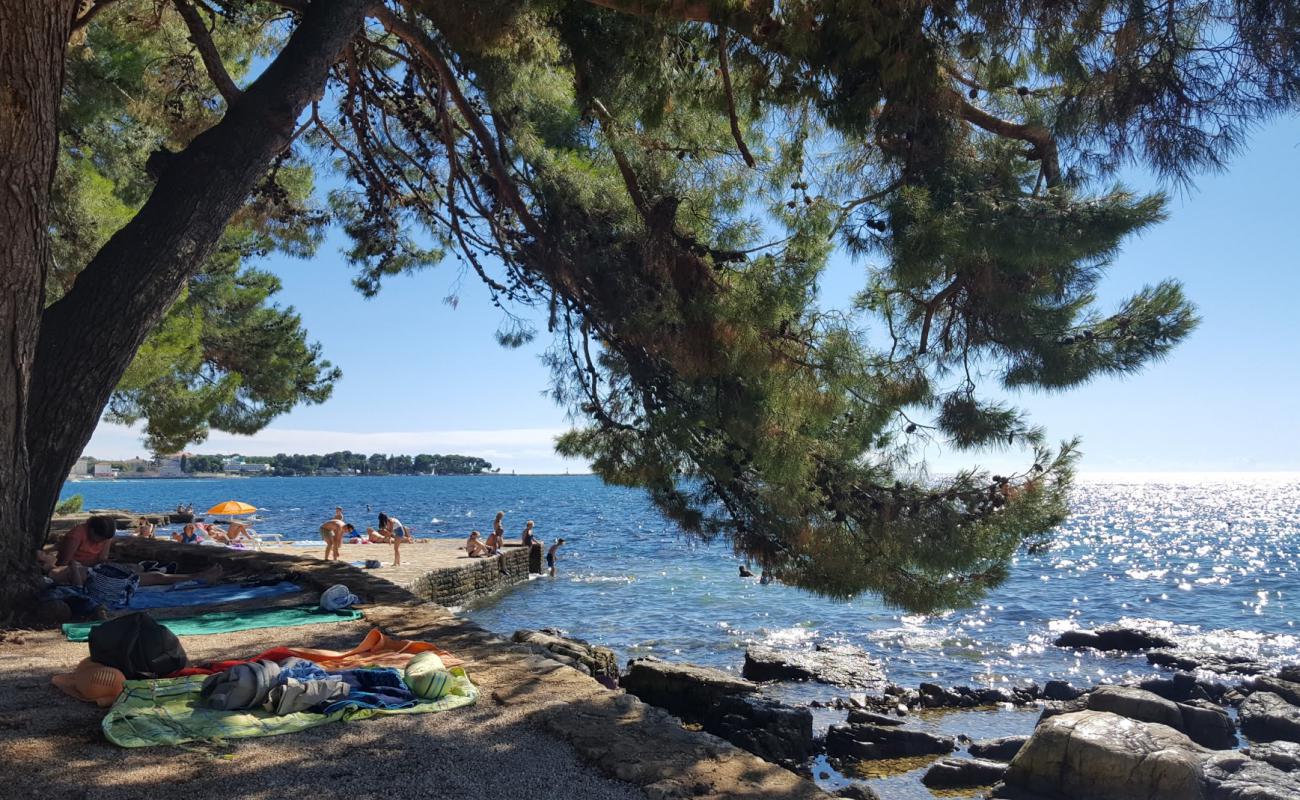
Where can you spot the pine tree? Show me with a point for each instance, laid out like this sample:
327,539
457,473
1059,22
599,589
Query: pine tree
667,180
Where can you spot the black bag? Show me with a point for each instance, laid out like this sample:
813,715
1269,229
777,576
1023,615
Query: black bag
137,645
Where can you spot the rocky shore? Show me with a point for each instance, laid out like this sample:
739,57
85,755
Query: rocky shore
1203,733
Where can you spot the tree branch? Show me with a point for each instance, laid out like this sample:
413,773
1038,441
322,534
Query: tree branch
731,99
83,350
202,39
1044,146
92,12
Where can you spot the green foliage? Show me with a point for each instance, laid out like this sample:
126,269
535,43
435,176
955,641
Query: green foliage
345,461
224,356
72,505
590,159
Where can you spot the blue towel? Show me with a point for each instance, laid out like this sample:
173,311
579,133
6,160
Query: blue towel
372,688
173,597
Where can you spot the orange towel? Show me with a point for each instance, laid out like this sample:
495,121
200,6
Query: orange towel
376,650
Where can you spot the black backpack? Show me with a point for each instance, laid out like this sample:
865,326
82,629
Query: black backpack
137,645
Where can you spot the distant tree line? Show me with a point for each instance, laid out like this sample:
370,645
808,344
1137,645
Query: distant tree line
345,461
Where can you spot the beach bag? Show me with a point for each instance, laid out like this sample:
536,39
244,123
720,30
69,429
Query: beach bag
138,646
111,585
242,686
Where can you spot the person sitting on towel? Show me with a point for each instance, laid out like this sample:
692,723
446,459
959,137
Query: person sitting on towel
88,545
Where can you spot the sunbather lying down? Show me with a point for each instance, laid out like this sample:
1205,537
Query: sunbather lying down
74,573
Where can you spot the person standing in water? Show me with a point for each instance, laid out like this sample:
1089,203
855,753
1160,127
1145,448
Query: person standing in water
550,556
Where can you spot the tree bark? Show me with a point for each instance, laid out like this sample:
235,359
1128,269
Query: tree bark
32,37
88,338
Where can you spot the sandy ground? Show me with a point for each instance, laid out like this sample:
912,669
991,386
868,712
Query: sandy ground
540,729
485,751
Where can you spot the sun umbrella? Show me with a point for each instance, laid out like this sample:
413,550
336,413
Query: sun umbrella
232,508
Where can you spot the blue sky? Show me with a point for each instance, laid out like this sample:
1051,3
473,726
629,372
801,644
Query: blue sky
420,375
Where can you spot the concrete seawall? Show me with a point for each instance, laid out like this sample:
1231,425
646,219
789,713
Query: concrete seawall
479,578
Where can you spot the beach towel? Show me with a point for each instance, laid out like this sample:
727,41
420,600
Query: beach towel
375,650
168,712
230,621
174,597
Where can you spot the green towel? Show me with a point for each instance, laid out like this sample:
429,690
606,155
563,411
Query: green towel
168,711
230,621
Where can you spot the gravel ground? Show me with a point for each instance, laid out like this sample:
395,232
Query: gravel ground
51,745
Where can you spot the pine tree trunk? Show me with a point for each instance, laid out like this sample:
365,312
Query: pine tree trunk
89,337
32,38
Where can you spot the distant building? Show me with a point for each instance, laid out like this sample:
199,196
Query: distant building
84,468
236,465
104,471
171,466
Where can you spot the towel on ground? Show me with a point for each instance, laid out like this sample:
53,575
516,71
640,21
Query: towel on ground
169,711
174,596
376,650
230,621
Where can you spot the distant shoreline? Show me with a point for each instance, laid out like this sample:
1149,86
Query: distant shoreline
215,476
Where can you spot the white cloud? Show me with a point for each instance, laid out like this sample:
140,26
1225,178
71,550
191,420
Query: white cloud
520,449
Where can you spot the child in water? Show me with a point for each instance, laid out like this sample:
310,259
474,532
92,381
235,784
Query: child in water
550,556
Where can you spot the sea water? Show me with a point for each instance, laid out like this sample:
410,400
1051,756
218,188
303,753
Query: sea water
1215,563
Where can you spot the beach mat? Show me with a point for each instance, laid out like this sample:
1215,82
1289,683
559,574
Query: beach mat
231,621
168,712
171,597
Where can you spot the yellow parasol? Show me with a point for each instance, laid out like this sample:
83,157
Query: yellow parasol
232,508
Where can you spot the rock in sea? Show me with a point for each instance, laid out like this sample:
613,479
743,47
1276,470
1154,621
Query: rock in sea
1096,754
770,730
1122,639
867,742
1001,749
963,773
1266,717
1209,727
840,665
684,689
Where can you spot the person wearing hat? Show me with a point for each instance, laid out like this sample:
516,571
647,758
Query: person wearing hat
94,683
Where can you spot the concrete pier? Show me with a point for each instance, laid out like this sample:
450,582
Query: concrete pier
436,570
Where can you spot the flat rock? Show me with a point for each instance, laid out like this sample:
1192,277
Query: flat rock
769,729
1000,749
1118,639
686,690
857,791
1208,662
1060,690
1183,687
860,716
1096,754
1287,690
1236,776
1207,727
1283,755
1290,672
595,660
866,742
963,773
1266,717
840,665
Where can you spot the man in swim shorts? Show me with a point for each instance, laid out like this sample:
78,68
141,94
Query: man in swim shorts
333,531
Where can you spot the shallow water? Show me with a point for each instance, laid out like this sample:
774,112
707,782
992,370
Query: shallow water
1213,563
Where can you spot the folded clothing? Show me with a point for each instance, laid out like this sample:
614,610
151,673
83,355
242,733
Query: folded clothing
376,687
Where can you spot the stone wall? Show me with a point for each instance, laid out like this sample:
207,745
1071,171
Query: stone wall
481,577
